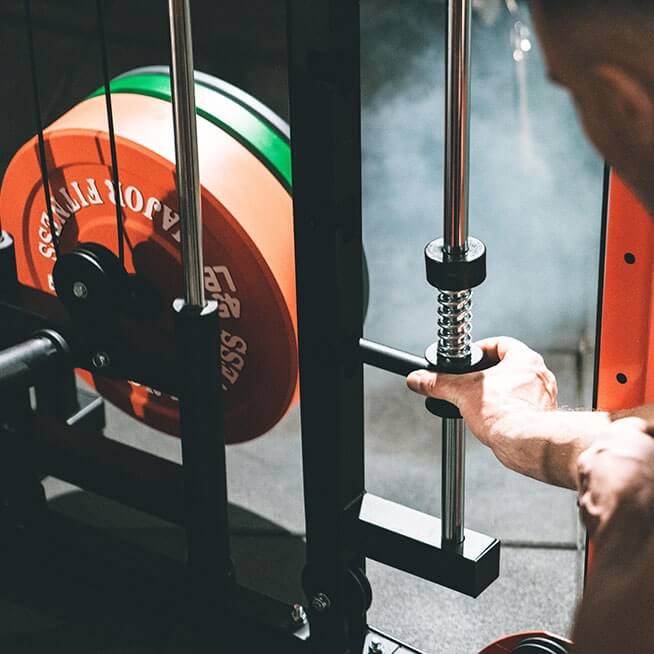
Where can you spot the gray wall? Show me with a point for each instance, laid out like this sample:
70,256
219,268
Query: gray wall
536,184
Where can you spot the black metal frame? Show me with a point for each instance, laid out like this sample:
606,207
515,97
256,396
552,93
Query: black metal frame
344,524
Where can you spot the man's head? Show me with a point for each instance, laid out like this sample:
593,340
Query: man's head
602,51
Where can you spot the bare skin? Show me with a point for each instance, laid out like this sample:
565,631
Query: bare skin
512,408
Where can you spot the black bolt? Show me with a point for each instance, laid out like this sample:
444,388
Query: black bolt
630,258
100,360
621,377
320,603
80,290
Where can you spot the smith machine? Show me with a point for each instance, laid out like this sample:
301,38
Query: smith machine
75,282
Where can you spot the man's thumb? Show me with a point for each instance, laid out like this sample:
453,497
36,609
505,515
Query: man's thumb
431,384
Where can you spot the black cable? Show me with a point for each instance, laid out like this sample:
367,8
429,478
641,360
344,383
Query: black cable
112,135
39,128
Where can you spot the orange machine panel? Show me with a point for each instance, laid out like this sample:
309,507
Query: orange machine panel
625,371
624,375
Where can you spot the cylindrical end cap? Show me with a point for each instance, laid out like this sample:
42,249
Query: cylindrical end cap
441,408
455,273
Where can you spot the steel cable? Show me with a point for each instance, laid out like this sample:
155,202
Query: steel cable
112,135
39,127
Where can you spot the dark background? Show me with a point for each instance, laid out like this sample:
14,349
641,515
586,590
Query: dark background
241,42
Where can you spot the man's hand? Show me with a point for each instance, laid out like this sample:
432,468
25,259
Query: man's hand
519,384
510,407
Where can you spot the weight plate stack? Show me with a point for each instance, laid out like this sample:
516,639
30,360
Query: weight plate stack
245,170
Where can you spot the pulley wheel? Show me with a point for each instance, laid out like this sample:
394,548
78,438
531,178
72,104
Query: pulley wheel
245,175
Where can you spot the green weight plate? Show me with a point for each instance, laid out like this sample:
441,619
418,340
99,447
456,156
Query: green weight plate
259,137
221,86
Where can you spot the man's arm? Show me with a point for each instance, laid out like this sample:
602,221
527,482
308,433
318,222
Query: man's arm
512,408
546,445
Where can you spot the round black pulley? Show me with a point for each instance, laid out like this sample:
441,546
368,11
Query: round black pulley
540,645
90,280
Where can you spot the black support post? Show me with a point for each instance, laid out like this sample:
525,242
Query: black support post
8,277
326,141
203,452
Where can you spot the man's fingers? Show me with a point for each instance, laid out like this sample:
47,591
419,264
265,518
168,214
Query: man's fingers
496,349
422,381
435,384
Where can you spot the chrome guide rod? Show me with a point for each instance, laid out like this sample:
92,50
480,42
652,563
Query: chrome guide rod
186,148
453,481
457,150
457,126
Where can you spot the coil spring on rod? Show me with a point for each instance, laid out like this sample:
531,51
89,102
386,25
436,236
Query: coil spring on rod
454,324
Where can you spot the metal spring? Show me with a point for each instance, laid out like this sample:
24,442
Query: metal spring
454,324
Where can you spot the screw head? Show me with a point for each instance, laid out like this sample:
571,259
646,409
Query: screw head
375,647
298,614
320,603
100,360
80,290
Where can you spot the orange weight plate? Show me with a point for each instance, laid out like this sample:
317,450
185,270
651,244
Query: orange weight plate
248,244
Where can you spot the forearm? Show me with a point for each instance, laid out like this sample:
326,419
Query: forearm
512,408
545,445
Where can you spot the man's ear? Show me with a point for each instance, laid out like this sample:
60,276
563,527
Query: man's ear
624,95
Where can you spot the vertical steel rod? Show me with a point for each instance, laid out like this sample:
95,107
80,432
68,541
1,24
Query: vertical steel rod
186,148
453,481
457,126
457,151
